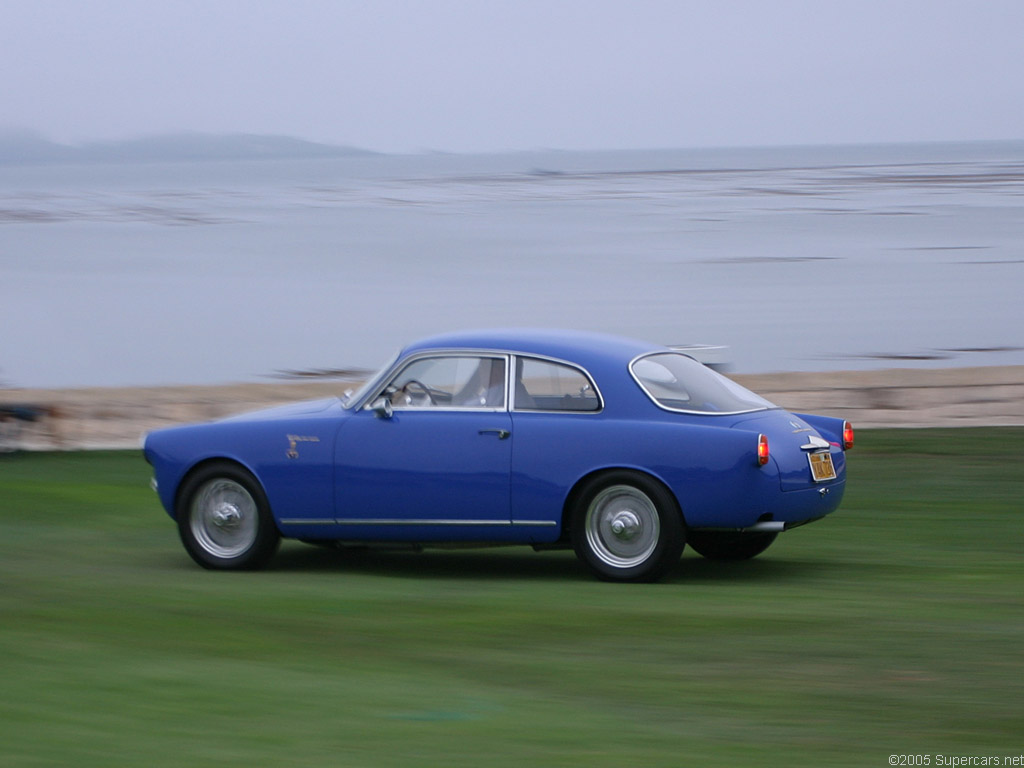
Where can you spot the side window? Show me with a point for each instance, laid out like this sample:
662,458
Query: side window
450,382
542,385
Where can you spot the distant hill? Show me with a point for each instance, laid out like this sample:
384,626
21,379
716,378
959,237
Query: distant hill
32,149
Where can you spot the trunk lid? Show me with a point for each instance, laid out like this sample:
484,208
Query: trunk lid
791,439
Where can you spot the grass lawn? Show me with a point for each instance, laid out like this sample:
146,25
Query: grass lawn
894,627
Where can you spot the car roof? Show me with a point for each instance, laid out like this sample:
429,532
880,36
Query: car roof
585,348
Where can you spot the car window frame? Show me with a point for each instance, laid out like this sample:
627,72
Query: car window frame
389,372
692,412
401,365
554,361
361,397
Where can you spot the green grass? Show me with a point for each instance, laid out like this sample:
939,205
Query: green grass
894,626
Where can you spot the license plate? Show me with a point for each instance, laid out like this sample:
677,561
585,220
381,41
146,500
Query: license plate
822,468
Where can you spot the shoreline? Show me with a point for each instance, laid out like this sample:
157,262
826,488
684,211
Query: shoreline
95,418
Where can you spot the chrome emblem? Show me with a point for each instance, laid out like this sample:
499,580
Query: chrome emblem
798,427
293,442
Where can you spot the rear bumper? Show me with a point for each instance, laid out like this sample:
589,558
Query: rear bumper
783,511
777,526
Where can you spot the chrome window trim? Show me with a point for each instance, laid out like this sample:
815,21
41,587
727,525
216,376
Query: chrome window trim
359,398
663,407
444,522
510,357
399,365
516,356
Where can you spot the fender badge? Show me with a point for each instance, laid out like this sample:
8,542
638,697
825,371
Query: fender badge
294,440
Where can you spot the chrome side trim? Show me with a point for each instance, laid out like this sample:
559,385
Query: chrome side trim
306,521
423,521
545,523
391,521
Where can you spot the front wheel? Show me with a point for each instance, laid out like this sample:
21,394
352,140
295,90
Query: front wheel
627,527
224,519
729,545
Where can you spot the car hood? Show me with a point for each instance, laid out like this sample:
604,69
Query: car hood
289,411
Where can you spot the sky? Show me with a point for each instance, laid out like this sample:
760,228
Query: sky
482,76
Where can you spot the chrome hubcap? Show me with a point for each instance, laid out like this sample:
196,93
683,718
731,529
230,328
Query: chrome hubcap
224,518
625,525
622,526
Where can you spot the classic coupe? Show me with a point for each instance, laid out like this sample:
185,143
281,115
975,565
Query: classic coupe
621,450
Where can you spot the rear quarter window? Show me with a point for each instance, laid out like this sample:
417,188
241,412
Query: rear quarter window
544,385
679,383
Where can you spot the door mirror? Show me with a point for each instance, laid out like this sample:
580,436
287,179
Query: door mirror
382,408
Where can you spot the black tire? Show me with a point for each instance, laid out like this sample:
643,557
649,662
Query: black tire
627,527
729,545
224,519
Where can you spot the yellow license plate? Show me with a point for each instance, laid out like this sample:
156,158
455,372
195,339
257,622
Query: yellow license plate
821,466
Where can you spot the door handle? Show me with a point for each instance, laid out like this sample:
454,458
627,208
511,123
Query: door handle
501,433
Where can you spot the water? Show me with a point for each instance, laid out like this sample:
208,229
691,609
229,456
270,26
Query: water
806,258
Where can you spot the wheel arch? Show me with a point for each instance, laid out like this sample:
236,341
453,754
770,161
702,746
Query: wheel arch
239,531
204,464
576,492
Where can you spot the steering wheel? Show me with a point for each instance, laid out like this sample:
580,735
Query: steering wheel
417,393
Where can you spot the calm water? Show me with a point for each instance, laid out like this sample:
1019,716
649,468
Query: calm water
796,258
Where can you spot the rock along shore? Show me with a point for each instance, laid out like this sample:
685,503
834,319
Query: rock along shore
116,417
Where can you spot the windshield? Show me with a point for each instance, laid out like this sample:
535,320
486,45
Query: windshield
680,383
351,398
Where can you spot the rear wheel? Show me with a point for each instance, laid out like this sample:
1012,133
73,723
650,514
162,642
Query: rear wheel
627,527
224,519
729,545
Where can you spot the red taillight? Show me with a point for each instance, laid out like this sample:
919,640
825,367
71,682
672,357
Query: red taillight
847,436
762,450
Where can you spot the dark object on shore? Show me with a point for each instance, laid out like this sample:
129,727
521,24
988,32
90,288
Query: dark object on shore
13,417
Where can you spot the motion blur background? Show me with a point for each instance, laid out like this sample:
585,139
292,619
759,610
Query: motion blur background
203,193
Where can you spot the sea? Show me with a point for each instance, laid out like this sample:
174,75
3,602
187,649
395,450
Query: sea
791,258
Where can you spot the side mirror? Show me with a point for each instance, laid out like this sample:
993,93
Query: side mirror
382,408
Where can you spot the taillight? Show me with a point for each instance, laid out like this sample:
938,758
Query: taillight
847,436
762,450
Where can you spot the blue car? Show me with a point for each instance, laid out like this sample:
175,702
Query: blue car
622,450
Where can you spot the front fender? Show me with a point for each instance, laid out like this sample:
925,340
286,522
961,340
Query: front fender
291,460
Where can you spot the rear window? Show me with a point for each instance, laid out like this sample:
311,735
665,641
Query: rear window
680,383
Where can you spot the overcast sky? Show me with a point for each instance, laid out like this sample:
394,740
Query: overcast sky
519,74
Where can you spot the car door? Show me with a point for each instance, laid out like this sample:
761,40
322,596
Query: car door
558,438
435,464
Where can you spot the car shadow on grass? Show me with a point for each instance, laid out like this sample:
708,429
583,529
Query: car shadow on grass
767,568
497,563
488,563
